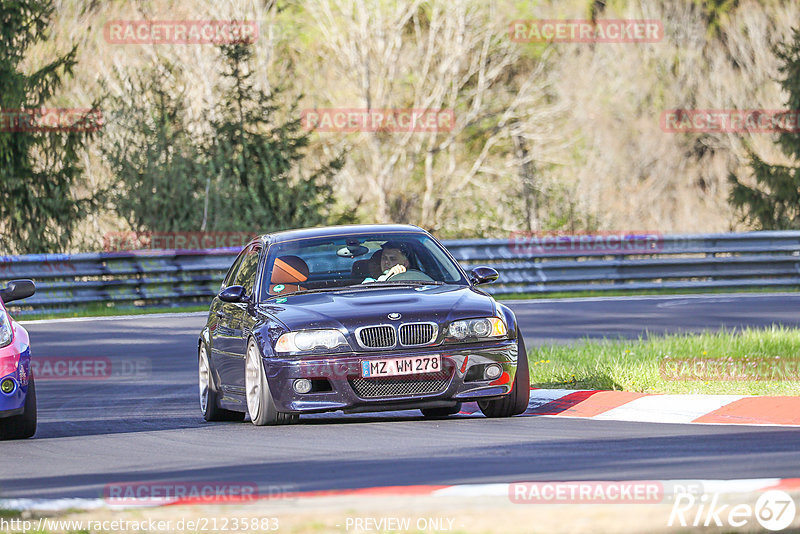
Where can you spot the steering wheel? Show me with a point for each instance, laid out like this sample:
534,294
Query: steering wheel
412,274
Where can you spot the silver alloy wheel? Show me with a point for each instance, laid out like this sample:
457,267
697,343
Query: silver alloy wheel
204,380
253,381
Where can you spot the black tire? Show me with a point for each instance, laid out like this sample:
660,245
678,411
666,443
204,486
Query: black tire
441,412
515,402
21,426
209,405
260,404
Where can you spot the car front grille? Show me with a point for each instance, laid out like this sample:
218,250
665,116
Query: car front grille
378,337
417,333
373,388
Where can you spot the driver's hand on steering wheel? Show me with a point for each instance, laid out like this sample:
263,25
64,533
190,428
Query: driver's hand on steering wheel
397,269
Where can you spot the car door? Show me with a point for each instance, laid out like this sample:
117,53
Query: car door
220,328
232,359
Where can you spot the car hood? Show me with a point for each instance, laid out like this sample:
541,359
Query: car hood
353,308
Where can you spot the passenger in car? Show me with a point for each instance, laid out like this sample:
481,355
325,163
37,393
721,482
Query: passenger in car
369,268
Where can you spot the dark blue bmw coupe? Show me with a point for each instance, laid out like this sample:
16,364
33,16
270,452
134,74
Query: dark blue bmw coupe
359,319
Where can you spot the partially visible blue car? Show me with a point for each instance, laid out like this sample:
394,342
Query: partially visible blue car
17,390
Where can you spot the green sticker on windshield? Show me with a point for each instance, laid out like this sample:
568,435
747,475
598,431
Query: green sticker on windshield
280,300
279,288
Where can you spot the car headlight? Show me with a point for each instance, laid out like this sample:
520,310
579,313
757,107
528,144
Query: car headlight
477,329
6,334
310,340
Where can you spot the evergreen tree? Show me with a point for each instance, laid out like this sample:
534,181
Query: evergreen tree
774,203
253,159
243,176
39,166
153,156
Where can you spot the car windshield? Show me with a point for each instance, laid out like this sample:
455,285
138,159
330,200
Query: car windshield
357,259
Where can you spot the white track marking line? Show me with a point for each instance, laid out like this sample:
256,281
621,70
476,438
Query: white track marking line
667,408
473,490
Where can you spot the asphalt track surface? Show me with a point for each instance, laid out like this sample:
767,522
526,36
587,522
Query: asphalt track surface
148,427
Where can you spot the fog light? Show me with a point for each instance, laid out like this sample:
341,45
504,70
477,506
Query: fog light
492,371
302,385
7,386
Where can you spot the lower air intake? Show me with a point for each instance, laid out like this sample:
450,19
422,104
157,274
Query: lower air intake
373,388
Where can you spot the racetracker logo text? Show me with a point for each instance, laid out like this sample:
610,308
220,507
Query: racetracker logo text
215,32
89,368
586,492
163,492
586,31
730,121
377,120
120,241
51,120
544,243
729,369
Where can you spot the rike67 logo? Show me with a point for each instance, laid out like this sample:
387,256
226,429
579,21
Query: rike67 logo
774,510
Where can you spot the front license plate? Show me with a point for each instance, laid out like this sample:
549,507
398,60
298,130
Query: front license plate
401,366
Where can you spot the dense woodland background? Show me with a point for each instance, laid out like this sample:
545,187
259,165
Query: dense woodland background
547,136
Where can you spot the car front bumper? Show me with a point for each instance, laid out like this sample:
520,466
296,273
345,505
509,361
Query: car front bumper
461,379
14,403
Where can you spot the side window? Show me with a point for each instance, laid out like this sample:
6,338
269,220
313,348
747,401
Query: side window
228,281
246,276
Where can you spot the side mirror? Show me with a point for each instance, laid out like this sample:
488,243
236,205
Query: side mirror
17,290
233,294
483,275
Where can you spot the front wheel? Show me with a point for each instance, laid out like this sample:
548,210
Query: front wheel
515,402
208,393
260,404
23,425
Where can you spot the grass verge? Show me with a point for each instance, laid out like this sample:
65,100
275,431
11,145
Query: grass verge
743,362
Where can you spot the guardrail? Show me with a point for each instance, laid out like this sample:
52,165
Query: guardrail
526,265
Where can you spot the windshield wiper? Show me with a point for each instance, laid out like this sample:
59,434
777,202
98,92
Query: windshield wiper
318,290
404,283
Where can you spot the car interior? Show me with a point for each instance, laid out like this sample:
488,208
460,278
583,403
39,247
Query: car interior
288,272
326,268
